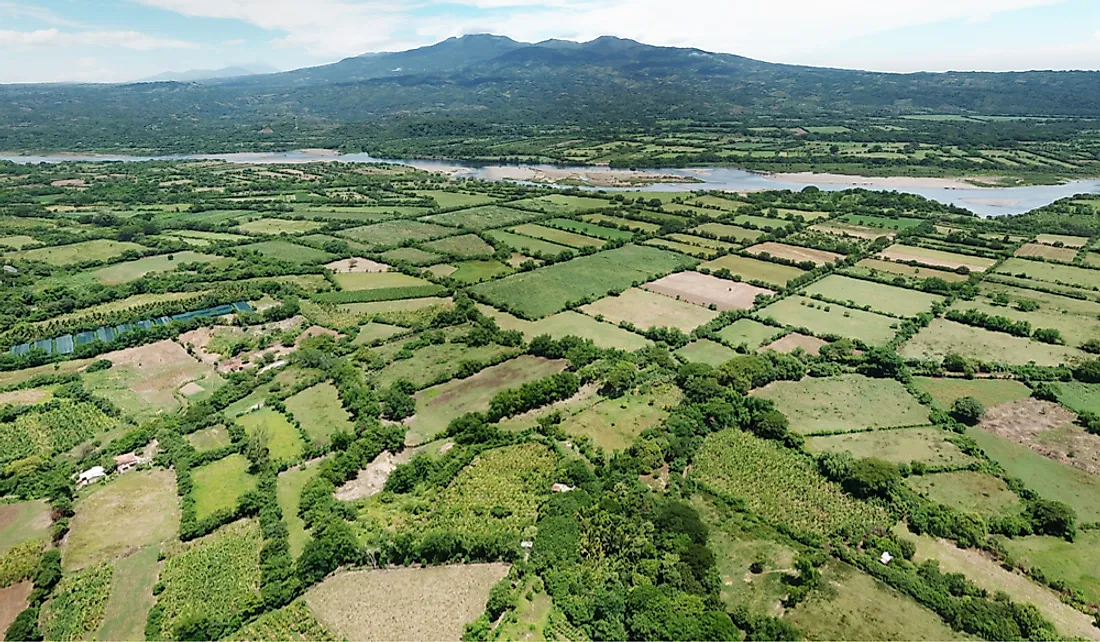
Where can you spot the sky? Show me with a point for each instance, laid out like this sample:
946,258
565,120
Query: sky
126,40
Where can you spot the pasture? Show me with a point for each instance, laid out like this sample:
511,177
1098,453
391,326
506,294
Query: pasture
436,406
968,491
133,270
481,218
561,204
277,226
131,596
412,255
936,258
881,298
1075,329
283,441
875,267
1052,273
1060,254
755,269
729,232
320,412
795,341
72,254
392,233
589,229
447,200
527,244
706,351
1079,397
614,424
1068,241
847,229
926,445
376,280
645,310
619,222
750,333
21,522
1076,563
844,403
588,276
477,271
467,246
288,492
287,251
439,360
138,509
707,290
795,253
218,485
990,392
825,319
558,236
944,337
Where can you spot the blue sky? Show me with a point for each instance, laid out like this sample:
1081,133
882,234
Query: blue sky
122,40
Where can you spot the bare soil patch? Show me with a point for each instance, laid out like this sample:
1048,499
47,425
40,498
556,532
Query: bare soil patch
795,253
12,601
71,182
706,290
1046,428
1061,254
431,603
192,389
372,479
161,353
858,231
794,341
26,396
357,265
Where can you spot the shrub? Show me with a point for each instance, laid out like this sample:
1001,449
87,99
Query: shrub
967,410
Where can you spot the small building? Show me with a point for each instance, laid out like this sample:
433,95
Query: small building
90,476
886,558
126,463
562,488
11,269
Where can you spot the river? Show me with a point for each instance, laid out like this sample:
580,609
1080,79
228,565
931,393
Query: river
984,201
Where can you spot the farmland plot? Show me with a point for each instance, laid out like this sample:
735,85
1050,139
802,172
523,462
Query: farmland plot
706,290
648,310
844,403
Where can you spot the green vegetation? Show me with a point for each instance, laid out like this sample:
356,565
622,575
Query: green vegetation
75,610
880,298
844,404
220,484
320,413
832,320
271,427
925,445
971,492
990,392
755,269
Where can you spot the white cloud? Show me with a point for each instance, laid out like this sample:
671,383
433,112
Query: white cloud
776,30
56,38
233,43
41,14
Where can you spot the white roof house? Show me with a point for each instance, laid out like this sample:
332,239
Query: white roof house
886,558
91,476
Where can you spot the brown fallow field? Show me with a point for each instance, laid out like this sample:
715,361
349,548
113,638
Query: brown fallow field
706,290
795,253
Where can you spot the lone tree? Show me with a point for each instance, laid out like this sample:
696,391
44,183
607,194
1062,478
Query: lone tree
968,410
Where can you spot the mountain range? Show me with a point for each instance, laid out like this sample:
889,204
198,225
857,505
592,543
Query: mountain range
488,80
196,75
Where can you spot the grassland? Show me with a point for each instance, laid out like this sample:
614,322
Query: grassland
881,298
481,218
990,392
320,412
21,522
874,266
794,253
1051,272
870,220
1075,563
971,492
844,403
926,445
209,438
778,484
855,606
447,200
722,230
755,269
570,323
136,510
618,222
561,204
467,246
647,310
477,271
131,596
945,337
283,441
220,484
217,576
288,492
413,255
706,351
392,233
749,332
936,258
436,406
613,424
1079,397
826,319
440,360
589,229
558,236
133,270
276,226
587,276
1049,478
287,251
63,255
406,603
377,280
1075,329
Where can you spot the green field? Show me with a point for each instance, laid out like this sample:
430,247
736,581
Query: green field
589,229
945,337
131,596
1075,329
646,310
938,258
618,222
17,242
209,438
62,255
1079,397
446,200
990,392
436,406
481,218
467,246
288,491
971,492
749,332
881,298
287,251
926,445
875,266
22,521
320,412
392,233
376,280
276,226
220,484
706,351
831,319
438,360
587,276
869,220
413,255
844,403
604,335
555,235
526,244
133,270
476,271
371,332
561,204
1051,272
722,230
614,424
1049,478
283,441
1075,563
755,269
